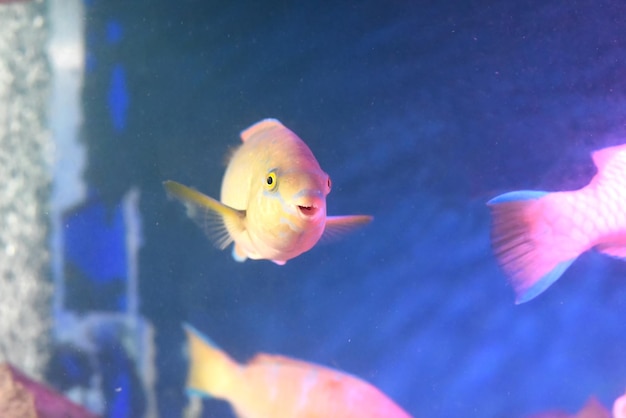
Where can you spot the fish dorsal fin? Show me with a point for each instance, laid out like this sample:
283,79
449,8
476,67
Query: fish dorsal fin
594,408
606,161
261,126
604,156
276,360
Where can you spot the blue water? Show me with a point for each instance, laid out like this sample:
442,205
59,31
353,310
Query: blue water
420,112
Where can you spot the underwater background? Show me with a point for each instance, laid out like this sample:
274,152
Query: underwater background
420,112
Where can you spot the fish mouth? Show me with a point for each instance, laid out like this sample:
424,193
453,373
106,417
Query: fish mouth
309,204
308,211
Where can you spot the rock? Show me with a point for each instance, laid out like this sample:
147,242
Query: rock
22,397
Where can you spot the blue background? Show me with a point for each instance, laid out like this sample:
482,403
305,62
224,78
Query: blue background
420,112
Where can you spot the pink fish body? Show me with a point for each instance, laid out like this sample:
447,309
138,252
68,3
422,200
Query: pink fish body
592,409
537,235
619,407
280,387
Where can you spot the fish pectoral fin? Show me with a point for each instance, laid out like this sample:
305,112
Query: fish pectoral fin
338,226
212,216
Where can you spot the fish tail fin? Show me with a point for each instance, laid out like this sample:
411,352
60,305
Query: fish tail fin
532,238
211,370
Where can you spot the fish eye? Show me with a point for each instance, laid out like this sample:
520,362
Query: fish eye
270,181
330,183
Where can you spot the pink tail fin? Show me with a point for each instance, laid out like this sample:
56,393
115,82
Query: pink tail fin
528,247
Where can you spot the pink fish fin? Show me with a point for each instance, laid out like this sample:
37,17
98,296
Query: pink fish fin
551,414
338,226
259,127
238,253
527,257
278,360
593,409
213,217
617,251
211,371
619,407
279,262
604,156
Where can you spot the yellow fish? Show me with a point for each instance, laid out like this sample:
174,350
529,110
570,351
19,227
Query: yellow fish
273,201
280,387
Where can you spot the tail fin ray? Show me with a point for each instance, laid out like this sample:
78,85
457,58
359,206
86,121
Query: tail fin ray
527,243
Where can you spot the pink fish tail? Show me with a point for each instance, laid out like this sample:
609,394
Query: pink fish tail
531,237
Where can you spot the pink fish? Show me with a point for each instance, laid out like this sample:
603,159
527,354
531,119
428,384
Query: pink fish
280,387
619,407
537,235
